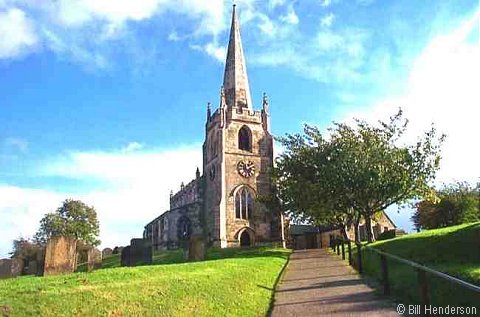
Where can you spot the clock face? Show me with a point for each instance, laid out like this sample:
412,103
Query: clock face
212,172
246,169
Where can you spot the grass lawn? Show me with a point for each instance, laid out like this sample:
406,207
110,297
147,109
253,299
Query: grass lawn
232,282
453,250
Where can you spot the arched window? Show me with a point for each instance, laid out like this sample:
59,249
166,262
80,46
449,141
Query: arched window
184,228
245,139
243,203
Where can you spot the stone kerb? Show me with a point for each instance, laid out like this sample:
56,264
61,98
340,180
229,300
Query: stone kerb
60,256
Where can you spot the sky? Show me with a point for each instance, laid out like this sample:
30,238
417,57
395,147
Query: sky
105,101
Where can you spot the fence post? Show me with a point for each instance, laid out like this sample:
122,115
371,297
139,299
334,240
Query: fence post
423,288
343,250
386,284
359,258
349,252
338,246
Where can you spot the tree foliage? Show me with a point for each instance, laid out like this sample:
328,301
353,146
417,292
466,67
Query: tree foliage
25,248
455,204
354,172
73,219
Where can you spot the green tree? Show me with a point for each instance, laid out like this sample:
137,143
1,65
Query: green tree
455,204
356,171
23,247
73,219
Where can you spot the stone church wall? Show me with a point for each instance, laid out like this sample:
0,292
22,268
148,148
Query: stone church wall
164,230
261,155
187,195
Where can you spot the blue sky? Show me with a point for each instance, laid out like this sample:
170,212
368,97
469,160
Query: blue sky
105,101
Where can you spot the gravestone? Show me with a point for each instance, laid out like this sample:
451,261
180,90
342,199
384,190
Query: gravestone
117,250
40,258
196,248
107,252
137,253
125,257
11,267
5,268
32,268
60,256
17,266
94,259
141,251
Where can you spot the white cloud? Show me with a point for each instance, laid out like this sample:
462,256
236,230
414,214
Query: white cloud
327,20
21,210
275,3
76,13
325,3
132,146
66,27
331,56
173,36
266,25
136,190
17,33
18,143
291,16
328,41
212,49
218,52
443,89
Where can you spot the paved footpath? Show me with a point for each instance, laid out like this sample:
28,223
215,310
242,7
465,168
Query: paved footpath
316,283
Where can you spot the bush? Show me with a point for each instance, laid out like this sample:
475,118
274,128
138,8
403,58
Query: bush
389,234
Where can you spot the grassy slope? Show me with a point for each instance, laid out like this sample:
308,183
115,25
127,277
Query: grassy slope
453,250
233,282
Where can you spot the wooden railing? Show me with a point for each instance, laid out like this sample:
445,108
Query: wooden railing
339,247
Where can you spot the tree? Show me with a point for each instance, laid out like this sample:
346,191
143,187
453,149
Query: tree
72,219
355,172
455,204
25,248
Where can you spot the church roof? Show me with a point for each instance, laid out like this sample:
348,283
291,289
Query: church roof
235,80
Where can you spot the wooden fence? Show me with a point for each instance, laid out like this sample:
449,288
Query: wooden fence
339,247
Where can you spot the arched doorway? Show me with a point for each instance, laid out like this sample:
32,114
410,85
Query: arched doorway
245,239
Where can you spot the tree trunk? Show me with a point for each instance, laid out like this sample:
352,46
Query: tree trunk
344,233
368,228
356,223
282,226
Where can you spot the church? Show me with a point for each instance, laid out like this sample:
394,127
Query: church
221,204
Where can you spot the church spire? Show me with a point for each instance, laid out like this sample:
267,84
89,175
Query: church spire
235,80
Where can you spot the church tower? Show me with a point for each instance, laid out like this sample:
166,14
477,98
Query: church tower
237,156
